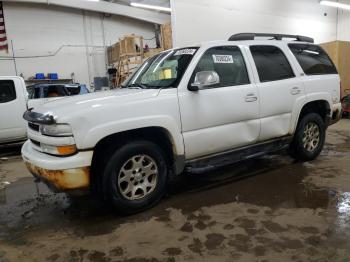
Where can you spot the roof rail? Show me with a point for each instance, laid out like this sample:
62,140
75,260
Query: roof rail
251,36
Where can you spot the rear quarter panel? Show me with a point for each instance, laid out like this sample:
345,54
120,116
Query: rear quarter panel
318,87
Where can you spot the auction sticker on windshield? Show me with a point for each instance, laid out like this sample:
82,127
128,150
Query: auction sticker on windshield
187,51
223,59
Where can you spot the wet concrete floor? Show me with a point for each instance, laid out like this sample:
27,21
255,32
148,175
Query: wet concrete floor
267,209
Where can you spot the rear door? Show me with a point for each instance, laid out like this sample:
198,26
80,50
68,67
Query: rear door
12,108
280,89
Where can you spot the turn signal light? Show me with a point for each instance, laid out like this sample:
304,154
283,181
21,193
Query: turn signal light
67,150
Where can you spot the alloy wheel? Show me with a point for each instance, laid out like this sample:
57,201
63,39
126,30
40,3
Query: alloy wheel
138,177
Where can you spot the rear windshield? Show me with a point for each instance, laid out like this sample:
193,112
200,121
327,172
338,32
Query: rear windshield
54,91
313,59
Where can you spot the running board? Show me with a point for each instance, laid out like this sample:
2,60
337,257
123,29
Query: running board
208,163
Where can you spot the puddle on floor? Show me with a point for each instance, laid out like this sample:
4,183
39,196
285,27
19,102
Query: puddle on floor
272,181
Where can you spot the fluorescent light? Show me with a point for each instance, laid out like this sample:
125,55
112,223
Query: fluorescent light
154,7
335,4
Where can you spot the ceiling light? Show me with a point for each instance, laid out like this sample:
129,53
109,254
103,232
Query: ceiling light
335,4
154,7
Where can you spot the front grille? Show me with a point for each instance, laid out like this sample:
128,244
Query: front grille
34,127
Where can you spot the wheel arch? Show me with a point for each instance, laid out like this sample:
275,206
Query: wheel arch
158,135
320,106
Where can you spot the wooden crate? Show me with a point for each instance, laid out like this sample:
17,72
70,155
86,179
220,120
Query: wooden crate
152,52
130,55
131,45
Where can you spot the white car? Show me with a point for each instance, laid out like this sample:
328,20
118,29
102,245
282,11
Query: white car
15,100
197,108
13,104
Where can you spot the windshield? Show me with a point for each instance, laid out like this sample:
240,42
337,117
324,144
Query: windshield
162,71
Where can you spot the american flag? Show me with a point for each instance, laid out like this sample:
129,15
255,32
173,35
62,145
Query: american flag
3,38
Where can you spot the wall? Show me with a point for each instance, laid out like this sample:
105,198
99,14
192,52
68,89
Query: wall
344,25
38,30
202,20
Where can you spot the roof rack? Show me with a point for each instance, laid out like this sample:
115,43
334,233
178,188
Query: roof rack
251,36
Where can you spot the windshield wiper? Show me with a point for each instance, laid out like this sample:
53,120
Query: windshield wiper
138,86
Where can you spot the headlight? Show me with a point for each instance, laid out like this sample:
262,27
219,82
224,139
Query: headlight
56,130
58,150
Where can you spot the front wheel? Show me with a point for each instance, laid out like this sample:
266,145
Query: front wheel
309,138
135,177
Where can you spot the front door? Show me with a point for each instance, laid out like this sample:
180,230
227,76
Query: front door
224,116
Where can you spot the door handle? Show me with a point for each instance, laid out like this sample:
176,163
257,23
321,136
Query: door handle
251,97
295,91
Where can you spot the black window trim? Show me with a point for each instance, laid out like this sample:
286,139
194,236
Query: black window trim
222,86
14,88
316,74
289,62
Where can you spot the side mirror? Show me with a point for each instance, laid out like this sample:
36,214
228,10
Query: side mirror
204,79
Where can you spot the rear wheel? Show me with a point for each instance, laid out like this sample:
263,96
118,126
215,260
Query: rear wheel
135,177
309,138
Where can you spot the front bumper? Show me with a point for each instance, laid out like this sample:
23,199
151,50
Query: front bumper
61,174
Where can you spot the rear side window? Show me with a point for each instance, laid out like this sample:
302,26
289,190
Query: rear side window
227,62
271,63
7,91
313,59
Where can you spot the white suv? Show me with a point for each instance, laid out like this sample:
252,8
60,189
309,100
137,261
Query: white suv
197,108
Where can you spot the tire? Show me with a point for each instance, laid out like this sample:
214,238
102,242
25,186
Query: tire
135,177
309,138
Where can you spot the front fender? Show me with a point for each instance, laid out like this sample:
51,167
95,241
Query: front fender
95,134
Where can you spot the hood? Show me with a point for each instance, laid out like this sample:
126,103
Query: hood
85,103
33,103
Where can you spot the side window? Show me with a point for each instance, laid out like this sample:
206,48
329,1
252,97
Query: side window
227,62
313,59
271,63
7,91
